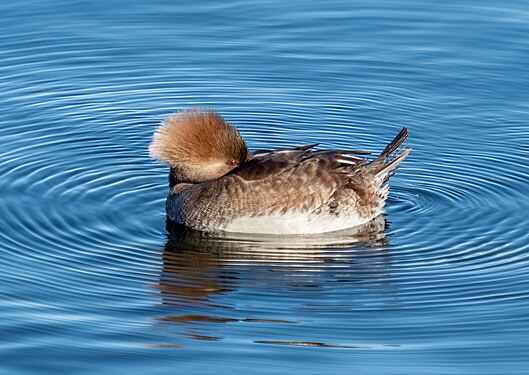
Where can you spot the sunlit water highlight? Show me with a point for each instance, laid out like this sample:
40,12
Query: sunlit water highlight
92,281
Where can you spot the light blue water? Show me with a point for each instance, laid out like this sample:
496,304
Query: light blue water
92,282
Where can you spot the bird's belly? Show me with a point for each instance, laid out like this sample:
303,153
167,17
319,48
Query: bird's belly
294,223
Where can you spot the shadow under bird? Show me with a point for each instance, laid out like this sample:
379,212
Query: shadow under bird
218,185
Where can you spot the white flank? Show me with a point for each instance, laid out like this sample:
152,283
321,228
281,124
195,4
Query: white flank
294,223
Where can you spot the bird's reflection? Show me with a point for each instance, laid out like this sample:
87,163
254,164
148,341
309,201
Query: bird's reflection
204,275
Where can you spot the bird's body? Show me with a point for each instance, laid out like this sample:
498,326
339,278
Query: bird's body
291,191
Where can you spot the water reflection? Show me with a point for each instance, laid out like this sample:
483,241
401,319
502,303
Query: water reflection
201,271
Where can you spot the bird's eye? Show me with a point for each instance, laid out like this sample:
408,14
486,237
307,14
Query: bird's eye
233,163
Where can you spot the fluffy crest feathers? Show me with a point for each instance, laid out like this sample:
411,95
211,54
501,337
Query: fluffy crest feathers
199,145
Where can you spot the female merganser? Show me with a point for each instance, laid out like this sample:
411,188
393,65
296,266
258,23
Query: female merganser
216,184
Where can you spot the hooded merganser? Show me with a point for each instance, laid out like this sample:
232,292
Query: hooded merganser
217,184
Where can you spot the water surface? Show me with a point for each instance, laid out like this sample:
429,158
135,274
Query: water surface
93,282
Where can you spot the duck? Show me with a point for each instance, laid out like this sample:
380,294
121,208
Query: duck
217,185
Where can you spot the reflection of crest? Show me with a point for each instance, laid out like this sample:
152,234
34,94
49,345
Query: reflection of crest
201,270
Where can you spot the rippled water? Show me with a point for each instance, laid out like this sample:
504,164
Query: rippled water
91,279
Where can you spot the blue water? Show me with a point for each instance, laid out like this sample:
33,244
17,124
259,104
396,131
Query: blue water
93,283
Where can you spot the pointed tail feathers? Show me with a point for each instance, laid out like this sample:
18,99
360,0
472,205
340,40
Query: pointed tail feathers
396,142
390,158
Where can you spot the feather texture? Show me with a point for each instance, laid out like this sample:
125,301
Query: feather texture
298,190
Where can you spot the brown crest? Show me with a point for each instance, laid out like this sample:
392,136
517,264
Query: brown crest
199,145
